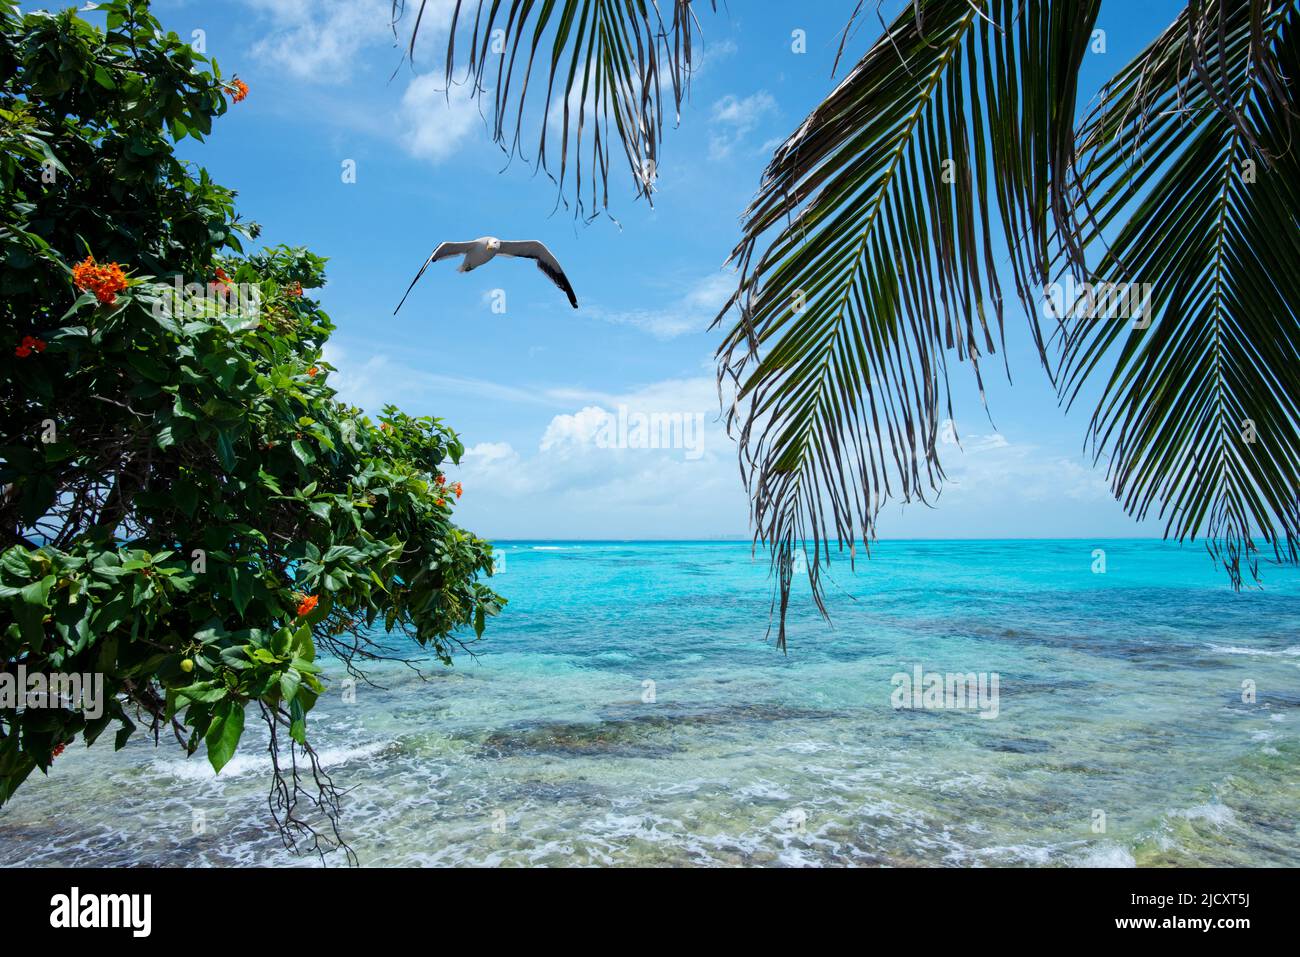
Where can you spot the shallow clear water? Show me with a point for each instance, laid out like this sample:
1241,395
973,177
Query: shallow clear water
1119,694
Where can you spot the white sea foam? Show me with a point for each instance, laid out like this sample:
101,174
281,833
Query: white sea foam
763,791
1107,855
197,768
1292,652
809,747
1213,813
1032,854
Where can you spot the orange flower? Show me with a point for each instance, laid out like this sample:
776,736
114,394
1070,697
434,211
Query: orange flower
236,89
457,489
85,273
307,604
58,749
440,502
293,289
104,281
385,426
312,371
441,480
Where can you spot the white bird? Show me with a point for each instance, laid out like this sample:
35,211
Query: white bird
486,248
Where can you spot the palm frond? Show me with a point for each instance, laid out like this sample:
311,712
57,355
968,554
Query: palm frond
1190,178
870,255
609,69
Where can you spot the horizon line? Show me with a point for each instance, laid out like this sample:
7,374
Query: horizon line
879,541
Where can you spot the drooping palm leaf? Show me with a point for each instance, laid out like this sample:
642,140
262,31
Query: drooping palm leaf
870,255
1191,176
607,69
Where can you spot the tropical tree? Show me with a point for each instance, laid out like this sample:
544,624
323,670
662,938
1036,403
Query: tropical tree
868,259
186,509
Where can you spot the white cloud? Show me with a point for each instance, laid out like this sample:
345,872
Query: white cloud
322,41
593,490
577,429
986,470
734,118
573,485
488,453
743,113
693,311
319,40
716,50
435,126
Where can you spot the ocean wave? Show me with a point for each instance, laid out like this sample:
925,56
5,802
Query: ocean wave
197,768
1106,855
1292,652
1213,813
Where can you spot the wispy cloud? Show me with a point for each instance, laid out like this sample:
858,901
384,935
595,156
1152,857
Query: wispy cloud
691,312
734,118
319,40
990,470
380,379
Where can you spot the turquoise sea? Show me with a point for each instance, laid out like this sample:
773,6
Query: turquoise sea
626,710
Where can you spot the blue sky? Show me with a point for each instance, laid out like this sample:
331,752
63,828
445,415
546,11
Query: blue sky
522,386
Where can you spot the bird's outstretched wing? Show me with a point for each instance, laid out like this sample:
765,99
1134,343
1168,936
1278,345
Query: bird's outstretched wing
546,262
442,252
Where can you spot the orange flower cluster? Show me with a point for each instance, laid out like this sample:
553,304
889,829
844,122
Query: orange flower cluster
440,501
295,289
237,89
104,281
307,604
442,483
29,345
312,371
58,749
223,281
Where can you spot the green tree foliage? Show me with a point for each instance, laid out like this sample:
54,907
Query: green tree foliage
185,507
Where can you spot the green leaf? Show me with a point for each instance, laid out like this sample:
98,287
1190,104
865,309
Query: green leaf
205,691
186,494
241,589
612,49
225,451
38,593
224,732
297,721
289,681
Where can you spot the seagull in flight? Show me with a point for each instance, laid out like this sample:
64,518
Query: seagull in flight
486,248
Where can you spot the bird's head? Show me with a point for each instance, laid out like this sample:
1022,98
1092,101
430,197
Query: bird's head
493,244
